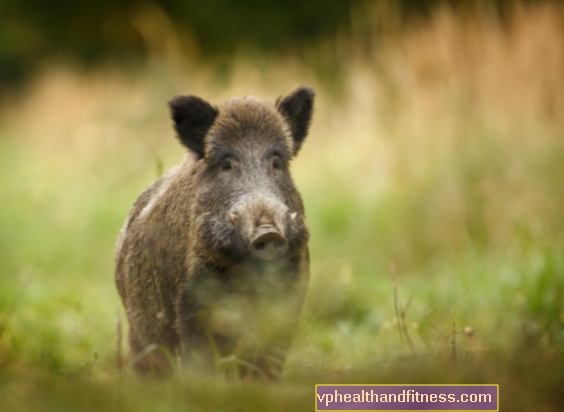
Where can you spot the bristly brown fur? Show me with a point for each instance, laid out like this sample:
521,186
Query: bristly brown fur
183,268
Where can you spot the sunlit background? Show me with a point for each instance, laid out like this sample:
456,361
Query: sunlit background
433,180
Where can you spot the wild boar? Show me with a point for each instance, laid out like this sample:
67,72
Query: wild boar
212,262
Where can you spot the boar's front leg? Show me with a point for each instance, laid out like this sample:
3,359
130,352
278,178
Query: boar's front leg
200,349
147,359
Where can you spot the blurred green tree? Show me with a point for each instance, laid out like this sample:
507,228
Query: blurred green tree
90,31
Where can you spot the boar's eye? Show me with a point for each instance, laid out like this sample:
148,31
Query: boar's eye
277,162
226,165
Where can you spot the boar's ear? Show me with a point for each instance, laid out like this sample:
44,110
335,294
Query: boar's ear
297,109
193,118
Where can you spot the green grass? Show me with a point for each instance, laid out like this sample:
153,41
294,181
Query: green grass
59,304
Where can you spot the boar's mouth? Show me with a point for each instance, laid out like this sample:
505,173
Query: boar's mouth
267,243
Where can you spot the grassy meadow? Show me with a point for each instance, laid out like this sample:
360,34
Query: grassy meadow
433,180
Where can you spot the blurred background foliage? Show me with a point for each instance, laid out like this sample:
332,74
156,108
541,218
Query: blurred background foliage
433,168
91,32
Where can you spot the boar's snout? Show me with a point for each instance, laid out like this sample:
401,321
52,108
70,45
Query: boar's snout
267,243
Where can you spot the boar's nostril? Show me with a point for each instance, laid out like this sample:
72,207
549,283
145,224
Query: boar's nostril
268,243
260,246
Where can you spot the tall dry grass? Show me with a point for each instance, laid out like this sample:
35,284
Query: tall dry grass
465,108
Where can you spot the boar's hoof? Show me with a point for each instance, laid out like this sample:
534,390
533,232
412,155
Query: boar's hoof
268,243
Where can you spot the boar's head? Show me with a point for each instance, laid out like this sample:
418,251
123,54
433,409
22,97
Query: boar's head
246,205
